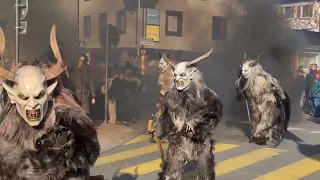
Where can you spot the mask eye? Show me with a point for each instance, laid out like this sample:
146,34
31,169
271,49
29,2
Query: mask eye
175,75
183,74
41,94
23,97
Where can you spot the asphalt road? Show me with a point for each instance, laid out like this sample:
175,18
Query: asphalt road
298,157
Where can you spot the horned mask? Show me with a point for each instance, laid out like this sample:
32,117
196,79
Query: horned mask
249,66
183,72
164,61
30,92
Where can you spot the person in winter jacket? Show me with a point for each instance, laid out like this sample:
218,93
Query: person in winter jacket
315,96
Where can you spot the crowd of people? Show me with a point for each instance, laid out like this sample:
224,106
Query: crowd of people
129,90
306,90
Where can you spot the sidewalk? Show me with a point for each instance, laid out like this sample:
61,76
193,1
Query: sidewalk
113,135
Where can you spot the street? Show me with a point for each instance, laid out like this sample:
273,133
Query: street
296,158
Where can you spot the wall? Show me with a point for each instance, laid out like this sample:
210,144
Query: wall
196,25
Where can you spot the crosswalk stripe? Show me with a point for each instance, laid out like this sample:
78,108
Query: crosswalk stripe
247,159
128,154
294,171
154,165
140,138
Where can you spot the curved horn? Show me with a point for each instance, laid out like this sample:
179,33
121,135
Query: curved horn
200,58
2,43
170,53
165,58
3,72
7,74
245,56
56,69
259,56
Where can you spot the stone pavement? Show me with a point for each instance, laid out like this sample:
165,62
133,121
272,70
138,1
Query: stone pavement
113,135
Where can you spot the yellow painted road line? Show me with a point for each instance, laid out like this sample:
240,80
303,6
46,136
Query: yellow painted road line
140,138
295,170
128,154
247,159
154,165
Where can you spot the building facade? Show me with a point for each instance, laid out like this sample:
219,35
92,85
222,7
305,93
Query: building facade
302,15
189,25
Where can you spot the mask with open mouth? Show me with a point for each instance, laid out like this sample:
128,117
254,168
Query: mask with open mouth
30,92
184,72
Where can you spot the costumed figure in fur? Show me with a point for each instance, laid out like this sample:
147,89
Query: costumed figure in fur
44,133
164,81
270,104
191,112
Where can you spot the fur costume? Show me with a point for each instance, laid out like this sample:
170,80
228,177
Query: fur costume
164,81
191,112
45,135
270,105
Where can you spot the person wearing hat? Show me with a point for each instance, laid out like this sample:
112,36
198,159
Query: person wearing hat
297,91
309,80
315,96
83,85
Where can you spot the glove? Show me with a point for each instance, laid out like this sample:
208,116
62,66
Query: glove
59,140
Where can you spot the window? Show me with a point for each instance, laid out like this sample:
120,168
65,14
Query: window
173,23
219,28
307,10
121,21
288,12
103,22
87,26
299,11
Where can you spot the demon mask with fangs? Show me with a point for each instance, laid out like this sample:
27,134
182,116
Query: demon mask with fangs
30,92
183,73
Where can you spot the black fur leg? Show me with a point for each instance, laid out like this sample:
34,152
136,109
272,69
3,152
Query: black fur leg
275,136
172,166
205,164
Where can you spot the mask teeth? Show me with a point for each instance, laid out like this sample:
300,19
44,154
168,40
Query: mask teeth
33,114
180,83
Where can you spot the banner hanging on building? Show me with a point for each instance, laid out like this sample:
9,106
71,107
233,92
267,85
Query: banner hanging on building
153,32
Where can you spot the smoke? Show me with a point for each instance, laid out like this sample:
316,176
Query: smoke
260,29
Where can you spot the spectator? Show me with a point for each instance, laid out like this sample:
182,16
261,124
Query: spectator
119,92
298,86
315,96
309,80
83,84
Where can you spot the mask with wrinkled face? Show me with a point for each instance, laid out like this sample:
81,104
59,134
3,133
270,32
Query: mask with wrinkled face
30,94
163,65
183,75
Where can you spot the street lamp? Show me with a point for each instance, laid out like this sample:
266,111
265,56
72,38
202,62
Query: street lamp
21,27
138,29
